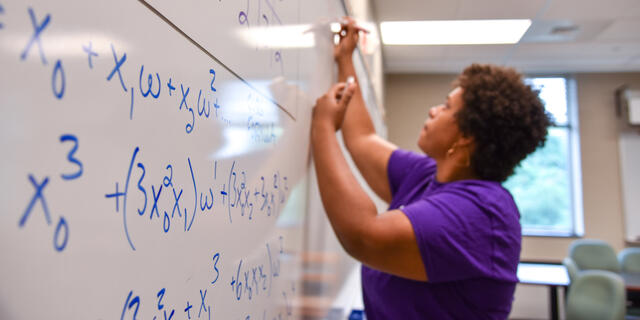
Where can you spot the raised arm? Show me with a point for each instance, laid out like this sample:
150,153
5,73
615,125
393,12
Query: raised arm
369,151
385,241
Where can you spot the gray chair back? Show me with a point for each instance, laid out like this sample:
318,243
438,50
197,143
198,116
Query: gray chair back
590,254
572,269
596,295
629,260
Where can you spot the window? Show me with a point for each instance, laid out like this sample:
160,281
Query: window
546,185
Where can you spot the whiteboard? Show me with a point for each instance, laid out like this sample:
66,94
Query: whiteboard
629,148
151,171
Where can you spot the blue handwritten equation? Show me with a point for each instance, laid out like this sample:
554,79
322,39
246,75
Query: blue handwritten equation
233,194
191,103
201,309
249,282
58,80
260,132
61,232
262,14
1,14
256,278
170,196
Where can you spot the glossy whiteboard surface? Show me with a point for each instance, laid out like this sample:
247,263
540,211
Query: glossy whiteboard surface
262,41
154,168
629,149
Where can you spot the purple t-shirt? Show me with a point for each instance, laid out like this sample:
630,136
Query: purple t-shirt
468,233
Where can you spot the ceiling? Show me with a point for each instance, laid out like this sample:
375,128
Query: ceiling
565,35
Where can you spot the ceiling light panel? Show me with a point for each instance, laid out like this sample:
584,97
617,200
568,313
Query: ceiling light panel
453,32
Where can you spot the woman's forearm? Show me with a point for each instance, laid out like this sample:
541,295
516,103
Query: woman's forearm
347,205
369,151
357,121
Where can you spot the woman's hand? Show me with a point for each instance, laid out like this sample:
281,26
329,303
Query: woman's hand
349,35
330,108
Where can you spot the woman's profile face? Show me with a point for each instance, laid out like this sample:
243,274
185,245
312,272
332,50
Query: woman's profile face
441,130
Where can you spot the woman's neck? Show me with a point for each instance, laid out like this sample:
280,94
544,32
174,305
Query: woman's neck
450,169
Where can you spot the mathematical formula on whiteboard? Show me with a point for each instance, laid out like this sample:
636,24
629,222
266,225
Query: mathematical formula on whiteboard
141,178
155,159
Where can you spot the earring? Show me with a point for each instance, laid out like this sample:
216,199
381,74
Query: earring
450,152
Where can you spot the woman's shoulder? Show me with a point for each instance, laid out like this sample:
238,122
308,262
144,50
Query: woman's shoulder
482,188
412,160
488,195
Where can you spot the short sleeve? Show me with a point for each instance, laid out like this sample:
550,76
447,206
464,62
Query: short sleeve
453,235
403,163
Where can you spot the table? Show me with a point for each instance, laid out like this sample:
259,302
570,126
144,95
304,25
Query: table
631,281
632,284
553,275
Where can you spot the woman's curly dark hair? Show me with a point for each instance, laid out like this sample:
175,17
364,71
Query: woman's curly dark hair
504,116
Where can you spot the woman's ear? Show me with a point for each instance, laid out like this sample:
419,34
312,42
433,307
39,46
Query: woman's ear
464,141
467,144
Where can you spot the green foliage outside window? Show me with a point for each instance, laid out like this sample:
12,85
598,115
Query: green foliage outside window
542,183
541,186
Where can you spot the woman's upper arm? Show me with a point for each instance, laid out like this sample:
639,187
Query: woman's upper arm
388,243
371,155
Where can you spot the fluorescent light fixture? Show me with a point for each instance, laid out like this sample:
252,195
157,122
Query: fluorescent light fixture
285,37
453,32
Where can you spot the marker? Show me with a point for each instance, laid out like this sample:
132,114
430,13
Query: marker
339,31
350,80
337,27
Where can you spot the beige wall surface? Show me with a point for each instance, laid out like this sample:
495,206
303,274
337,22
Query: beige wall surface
409,96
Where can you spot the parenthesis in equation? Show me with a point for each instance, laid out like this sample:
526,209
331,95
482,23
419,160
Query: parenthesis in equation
195,197
126,190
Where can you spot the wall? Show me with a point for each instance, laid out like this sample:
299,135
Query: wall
409,96
599,129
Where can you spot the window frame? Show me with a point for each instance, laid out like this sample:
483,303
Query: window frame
574,160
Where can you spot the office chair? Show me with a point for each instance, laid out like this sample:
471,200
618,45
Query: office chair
629,260
572,268
596,295
588,254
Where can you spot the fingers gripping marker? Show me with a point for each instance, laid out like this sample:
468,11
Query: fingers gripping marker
350,80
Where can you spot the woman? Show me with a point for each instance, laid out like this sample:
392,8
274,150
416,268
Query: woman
448,248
